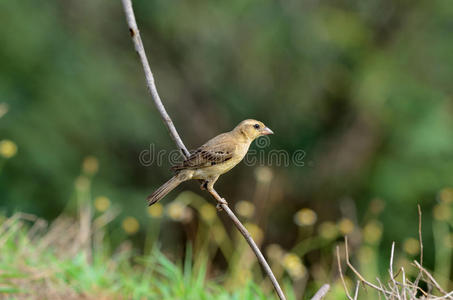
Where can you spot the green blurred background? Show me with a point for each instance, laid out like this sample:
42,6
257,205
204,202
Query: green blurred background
364,88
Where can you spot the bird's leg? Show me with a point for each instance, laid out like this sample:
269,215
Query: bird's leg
204,185
210,188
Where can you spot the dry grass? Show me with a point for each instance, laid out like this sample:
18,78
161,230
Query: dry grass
399,286
39,257
69,259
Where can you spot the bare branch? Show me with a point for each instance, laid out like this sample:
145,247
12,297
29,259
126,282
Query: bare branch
391,259
420,233
359,275
395,286
321,292
382,287
356,293
404,289
404,283
136,39
420,274
255,249
341,274
431,278
449,295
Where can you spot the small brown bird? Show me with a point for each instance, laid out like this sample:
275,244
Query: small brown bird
216,157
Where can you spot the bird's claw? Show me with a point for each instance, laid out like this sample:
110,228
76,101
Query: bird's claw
219,204
204,186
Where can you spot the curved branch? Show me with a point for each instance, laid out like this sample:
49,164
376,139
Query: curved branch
137,40
135,34
321,292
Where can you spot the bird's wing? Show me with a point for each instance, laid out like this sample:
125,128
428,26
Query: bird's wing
216,151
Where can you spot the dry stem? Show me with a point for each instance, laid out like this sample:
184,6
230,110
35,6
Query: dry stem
135,34
321,292
341,274
404,289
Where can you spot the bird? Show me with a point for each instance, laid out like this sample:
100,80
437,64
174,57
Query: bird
214,158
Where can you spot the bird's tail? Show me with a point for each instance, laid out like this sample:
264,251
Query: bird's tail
166,188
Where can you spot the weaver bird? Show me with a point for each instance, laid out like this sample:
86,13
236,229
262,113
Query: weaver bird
216,157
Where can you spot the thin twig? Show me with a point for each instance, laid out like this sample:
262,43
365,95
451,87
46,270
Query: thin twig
394,293
359,275
382,287
255,249
356,292
420,240
431,278
449,295
391,260
321,292
341,275
136,39
420,233
395,286
397,273
416,288
404,283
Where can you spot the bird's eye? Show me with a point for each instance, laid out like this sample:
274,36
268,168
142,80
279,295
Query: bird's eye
256,126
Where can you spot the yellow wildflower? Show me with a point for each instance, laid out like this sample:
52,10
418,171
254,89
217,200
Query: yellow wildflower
245,209
446,195
294,266
346,226
130,225
90,165
263,174
411,246
179,212
101,203
442,212
155,210
305,217
7,148
372,232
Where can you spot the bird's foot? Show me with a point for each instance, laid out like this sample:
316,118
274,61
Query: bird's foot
219,204
204,186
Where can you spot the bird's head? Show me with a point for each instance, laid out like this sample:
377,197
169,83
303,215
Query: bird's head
251,129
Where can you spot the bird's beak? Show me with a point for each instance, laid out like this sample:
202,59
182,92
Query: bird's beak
266,131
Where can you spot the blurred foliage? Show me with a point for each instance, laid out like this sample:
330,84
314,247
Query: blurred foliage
42,266
363,87
74,257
